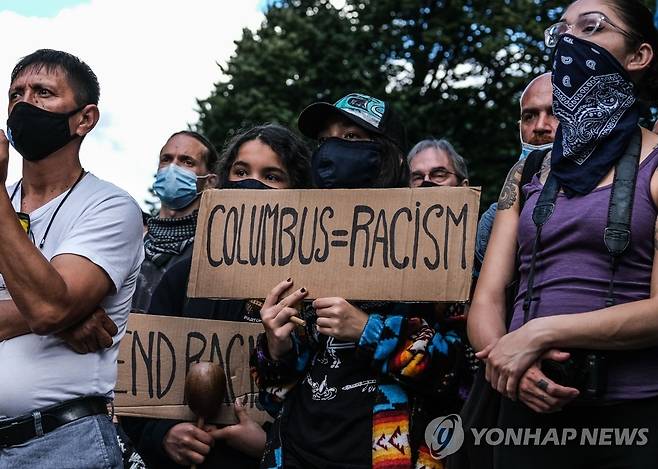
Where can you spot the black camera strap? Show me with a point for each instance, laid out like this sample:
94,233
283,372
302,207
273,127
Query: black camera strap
532,165
617,233
540,215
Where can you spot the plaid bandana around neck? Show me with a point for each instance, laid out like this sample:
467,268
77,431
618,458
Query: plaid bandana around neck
167,237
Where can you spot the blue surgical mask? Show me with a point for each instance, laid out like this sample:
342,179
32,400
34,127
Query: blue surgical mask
527,148
176,186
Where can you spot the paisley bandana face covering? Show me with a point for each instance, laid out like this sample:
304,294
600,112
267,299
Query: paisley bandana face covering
596,104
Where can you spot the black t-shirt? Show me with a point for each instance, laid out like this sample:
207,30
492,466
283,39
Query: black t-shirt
329,423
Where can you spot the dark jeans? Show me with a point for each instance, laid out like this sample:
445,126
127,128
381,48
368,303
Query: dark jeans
616,453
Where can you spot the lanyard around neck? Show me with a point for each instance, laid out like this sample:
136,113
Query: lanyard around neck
52,218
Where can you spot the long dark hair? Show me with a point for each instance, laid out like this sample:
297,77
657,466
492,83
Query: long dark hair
394,171
638,20
289,147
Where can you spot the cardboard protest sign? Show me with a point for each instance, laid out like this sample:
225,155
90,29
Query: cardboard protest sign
371,244
157,352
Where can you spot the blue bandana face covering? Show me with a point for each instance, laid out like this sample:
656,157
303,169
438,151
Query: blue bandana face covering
595,101
176,186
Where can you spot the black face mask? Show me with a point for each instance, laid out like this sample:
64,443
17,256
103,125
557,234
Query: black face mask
36,133
245,184
346,164
429,184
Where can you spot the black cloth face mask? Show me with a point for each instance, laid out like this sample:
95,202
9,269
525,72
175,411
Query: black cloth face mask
595,101
429,184
346,164
245,184
36,133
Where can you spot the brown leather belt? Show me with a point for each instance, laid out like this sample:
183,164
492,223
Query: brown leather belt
18,430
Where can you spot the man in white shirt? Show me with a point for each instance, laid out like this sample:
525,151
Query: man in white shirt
74,248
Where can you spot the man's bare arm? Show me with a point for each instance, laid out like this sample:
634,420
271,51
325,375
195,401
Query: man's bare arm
12,323
50,296
95,332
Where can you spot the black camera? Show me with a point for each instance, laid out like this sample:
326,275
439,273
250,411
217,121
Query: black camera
585,370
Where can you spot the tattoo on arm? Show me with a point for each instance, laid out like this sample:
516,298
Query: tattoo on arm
510,191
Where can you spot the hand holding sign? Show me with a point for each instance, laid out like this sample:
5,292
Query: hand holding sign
276,315
205,388
339,318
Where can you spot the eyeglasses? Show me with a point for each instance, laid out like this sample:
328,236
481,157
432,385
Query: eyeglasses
436,175
585,26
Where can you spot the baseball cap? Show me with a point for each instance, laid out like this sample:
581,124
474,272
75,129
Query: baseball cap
372,114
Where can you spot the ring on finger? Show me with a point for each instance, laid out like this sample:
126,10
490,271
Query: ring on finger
542,384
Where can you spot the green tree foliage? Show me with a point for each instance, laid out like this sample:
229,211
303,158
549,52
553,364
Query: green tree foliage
460,69
453,69
305,50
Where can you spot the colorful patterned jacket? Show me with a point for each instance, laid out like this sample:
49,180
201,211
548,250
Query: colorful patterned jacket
418,366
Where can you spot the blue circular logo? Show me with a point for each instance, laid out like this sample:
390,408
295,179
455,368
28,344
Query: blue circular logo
444,436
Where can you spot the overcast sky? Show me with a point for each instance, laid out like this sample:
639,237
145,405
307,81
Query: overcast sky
153,59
